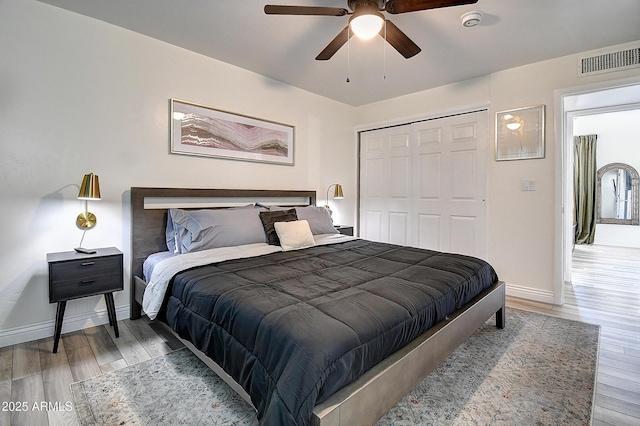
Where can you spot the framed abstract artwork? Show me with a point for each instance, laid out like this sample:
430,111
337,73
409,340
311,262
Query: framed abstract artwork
203,131
520,133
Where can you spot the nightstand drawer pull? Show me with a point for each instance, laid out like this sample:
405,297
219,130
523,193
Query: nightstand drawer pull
87,282
87,263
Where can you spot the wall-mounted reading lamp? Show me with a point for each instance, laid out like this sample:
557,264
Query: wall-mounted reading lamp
337,193
89,190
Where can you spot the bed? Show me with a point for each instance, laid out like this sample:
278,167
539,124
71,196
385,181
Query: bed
355,380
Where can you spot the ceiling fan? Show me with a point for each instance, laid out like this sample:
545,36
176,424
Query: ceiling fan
368,20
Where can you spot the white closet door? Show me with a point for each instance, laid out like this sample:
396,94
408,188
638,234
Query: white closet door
385,185
424,184
449,175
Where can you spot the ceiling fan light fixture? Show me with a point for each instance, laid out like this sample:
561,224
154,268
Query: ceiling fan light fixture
366,25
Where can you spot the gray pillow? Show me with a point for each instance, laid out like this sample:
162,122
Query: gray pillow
319,219
195,230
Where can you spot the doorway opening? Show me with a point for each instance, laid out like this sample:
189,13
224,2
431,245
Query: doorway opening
576,107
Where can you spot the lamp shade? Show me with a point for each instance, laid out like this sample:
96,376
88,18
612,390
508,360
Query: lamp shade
90,188
337,192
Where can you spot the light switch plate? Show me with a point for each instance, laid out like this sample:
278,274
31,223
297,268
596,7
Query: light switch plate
528,184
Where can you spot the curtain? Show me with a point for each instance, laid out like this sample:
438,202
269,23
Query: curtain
584,188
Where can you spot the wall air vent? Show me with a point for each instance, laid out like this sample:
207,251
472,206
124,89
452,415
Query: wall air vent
609,61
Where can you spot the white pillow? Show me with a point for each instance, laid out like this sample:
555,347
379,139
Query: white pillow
294,235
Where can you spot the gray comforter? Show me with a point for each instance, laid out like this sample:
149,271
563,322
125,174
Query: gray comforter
294,327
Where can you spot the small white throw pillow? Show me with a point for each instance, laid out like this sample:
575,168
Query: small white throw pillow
294,235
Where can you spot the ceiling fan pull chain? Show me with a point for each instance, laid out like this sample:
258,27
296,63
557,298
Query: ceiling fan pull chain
384,53
348,52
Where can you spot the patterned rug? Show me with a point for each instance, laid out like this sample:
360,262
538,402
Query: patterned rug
539,370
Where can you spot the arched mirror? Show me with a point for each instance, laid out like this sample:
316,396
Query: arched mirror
617,194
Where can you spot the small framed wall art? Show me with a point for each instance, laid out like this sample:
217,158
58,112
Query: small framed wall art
520,133
203,131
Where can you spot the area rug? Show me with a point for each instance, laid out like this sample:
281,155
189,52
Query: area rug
539,370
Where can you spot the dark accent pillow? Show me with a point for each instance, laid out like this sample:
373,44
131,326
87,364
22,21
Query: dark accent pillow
269,218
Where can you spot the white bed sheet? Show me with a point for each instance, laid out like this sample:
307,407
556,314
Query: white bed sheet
164,269
151,262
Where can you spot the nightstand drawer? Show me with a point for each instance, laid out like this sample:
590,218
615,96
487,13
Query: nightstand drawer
85,286
84,268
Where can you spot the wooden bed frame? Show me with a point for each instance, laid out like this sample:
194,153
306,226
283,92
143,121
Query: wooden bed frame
368,398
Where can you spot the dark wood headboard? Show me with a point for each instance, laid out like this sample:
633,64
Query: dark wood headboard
149,213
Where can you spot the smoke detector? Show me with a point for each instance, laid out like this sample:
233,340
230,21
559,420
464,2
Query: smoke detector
471,19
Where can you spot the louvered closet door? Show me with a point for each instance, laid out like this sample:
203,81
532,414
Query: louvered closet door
424,184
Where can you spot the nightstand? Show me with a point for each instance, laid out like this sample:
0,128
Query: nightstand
345,230
73,275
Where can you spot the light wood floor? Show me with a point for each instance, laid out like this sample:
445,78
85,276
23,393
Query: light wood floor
605,291
31,373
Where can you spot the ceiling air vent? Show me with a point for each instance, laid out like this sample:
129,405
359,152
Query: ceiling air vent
609,61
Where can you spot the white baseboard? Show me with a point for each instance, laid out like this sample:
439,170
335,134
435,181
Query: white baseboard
530,294
46,329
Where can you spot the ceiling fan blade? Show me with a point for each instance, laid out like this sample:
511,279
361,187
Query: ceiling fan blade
403,6
335,45
399,40
304,10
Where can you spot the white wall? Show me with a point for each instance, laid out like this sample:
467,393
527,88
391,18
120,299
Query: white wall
617,143
78,95
522,225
